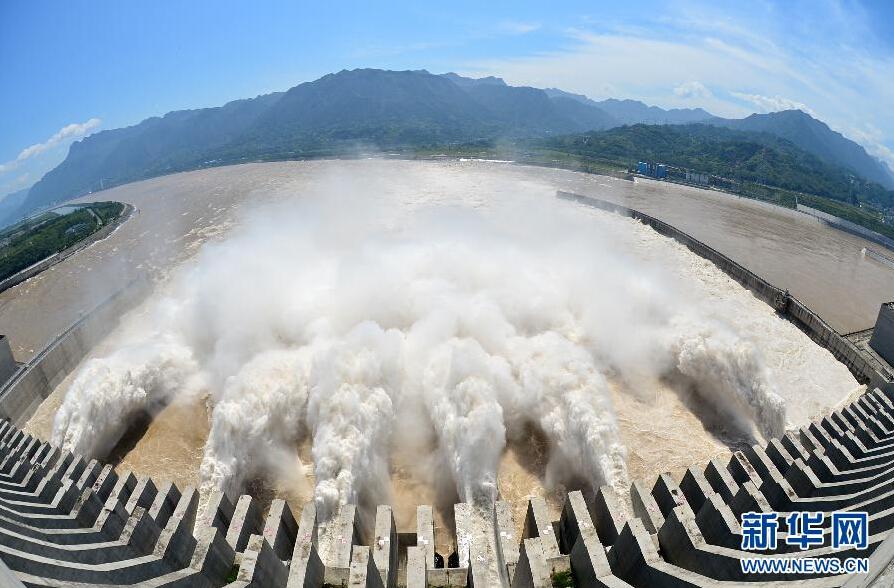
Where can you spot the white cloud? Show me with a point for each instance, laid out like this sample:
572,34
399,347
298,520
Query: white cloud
627,62
773,103
746,60
514,27
72,131
693,90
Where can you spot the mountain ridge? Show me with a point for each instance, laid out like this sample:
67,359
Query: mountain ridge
831,146
388,109
628,112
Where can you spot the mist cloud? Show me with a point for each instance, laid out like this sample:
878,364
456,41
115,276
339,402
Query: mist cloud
693,90
773,103
369,311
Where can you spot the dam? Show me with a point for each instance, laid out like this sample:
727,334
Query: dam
522,491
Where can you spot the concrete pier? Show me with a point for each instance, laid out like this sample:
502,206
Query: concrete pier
68,521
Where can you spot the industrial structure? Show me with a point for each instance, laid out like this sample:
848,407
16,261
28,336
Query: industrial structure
654,170
697,178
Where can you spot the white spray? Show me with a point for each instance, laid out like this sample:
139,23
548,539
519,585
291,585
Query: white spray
108,393
486,305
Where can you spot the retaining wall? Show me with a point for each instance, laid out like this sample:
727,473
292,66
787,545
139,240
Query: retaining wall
783,302
8,365
30,272
847,226
35,381
879,257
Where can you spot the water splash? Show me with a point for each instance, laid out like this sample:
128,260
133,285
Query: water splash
372,307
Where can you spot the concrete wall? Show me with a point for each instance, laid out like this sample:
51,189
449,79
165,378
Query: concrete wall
8,365
30,272
34,381
883,334
879,257
843,350
847,226
783,302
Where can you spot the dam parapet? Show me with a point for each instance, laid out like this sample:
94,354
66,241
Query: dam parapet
8,365
69,521
847,226
31,383
878,256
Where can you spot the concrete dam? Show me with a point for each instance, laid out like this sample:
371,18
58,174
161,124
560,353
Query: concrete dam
71,522
440,344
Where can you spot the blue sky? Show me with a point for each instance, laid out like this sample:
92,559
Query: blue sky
69,68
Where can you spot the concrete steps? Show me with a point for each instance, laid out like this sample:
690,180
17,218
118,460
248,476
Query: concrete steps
67,521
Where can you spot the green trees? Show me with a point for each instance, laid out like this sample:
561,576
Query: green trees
744,156
31,241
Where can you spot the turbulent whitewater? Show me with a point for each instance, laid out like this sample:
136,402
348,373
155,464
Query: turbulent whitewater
439,312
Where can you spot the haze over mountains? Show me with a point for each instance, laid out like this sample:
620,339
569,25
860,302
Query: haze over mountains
631,112
387,109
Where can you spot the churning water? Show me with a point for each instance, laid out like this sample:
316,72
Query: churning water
447,324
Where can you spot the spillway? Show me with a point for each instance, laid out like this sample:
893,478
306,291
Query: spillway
405,332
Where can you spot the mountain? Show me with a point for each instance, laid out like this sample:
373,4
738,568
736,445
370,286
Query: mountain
524,111
369,109
803,130
381,107
815,137
528,111
464,82
156,146
631,112
10,205
740,155
366,107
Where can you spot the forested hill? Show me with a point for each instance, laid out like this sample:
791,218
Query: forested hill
754,157
817,138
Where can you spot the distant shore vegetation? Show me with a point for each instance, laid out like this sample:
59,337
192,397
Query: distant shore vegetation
36,238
